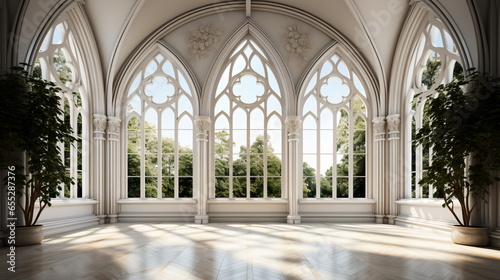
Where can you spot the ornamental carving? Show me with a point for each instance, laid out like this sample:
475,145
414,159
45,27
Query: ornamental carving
379,125
114,125
393,122
203,123
297,43
293,124
100,123
199,42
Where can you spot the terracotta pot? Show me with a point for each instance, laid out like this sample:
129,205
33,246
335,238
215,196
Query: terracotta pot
29,235
473,236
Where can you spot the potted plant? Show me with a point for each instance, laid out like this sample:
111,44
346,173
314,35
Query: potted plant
35,126
463,128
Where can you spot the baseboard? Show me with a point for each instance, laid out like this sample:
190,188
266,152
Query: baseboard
424,223
55,226
247,217
337,217
159,217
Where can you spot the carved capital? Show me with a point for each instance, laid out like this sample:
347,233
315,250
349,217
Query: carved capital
379,128
293,124
393,122
203,123
114,125
100,123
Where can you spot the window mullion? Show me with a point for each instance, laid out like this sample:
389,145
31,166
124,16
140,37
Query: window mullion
351,151
143,157
159,160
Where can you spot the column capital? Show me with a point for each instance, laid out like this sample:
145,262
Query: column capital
203,123
100,123
379,128
113,128
393,125
293,124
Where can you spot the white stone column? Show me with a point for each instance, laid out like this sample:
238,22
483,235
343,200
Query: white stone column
293,124
378,168
113,169
395,165
203,125
97,189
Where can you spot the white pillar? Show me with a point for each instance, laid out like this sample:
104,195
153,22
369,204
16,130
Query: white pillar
395,165
97,190
203,125
113,169
293,124
378,168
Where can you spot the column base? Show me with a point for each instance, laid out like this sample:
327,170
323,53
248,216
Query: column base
201,219
293,219
102,219
391,219
379,219
113,219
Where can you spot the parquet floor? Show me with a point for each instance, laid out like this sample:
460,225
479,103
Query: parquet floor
251,251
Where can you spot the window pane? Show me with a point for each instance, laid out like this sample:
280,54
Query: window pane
359,165
256,186
326,187
185,164
151,164
151,187
359,187
168,187
185,186
221,187
134,165
309,188
239,186
134,187
342,187
273,187
343,165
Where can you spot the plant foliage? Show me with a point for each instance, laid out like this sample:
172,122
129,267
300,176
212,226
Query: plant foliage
36,127
462,127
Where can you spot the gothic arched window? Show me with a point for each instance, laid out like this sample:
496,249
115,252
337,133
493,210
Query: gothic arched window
248,122
437,62
334,127
58,61
160,146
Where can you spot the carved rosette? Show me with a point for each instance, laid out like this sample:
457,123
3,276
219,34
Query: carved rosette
113,128
200,42
297,43
100,124
379,128
393,125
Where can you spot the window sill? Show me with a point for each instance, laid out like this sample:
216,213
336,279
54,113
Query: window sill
247,200
157,201
421,201
336,201
61,202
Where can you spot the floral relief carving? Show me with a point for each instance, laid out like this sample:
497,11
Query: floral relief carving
297,43
199,42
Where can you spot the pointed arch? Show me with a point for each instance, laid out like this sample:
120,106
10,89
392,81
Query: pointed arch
250,30
426,57
248,64
160,152
334,149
